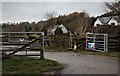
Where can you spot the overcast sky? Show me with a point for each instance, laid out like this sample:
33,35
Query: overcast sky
35,11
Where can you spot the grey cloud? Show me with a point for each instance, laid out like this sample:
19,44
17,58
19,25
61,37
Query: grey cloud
32,11
57,0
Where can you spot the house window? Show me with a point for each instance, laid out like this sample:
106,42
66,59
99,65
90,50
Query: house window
112,23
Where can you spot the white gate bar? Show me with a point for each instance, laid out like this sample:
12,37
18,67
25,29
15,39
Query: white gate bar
21,32
106,42
102,45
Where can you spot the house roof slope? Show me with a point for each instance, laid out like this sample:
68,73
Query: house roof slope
105,20
117,18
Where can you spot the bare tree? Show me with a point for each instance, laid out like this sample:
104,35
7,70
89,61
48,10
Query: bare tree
79,23
114,7
51,20
84,22
50,15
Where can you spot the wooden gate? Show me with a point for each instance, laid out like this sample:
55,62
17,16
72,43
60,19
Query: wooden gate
23,43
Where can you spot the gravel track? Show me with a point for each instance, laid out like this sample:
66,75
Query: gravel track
76,63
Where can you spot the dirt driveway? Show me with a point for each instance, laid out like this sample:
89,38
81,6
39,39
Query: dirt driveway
84,64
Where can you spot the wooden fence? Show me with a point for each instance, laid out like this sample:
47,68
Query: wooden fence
114,43
64,41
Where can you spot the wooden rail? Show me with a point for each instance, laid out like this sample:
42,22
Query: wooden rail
114,43
7,36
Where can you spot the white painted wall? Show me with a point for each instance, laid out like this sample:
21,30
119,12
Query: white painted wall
64,30
52,30
97,22
113,21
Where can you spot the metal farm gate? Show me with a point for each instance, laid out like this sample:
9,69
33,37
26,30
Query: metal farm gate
97,42
23,43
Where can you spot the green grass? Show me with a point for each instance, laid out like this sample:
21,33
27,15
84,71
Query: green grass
34,35
25,65
111,54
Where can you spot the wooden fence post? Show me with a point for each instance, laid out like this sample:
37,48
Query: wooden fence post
42,51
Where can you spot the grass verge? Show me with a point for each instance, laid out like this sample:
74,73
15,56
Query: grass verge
25,65
110,54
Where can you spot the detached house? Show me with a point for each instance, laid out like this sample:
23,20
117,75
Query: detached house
52,29
114,20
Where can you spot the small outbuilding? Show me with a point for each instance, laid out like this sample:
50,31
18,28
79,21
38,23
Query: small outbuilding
52,30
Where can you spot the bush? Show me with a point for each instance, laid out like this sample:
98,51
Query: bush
111,30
